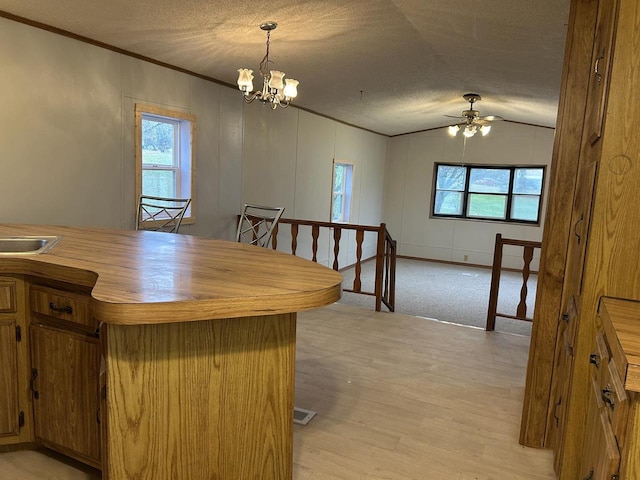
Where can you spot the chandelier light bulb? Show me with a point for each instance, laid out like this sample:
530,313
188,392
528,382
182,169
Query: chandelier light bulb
469,131
485,129
290,88
453,130
276,80
245,80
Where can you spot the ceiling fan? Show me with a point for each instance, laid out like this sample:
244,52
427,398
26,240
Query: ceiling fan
472,122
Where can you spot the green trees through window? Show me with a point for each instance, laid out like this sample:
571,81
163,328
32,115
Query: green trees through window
160,162
164,155
501,193
341,192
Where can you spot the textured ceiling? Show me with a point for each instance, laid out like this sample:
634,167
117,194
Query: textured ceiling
391,66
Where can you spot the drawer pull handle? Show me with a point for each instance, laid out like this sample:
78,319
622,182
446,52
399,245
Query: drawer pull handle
56,308
575,228
594,359
555,411
608,398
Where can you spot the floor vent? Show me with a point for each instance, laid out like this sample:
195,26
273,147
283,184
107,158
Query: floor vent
302,416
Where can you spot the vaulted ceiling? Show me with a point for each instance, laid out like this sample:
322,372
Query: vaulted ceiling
390,66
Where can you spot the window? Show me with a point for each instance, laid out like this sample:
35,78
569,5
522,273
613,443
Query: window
501,193
164,154
341,192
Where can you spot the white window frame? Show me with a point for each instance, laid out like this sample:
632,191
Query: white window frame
183,156
346,191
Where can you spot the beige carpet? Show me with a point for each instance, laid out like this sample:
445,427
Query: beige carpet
450,293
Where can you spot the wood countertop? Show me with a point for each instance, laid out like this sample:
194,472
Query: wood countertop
624,317
141,277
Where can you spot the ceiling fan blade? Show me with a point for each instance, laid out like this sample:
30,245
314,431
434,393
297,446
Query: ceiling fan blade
452,116
491,118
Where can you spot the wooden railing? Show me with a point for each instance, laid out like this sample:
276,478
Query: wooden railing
385,256
527,256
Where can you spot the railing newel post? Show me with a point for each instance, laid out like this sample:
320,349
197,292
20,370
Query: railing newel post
379,262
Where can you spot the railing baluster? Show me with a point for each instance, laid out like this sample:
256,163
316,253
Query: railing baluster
392,275
386,270
522,306
357,283
294,238
495,284
337,233
527,256
315,232
385,255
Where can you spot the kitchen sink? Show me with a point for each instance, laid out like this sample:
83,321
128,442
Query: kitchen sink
28,245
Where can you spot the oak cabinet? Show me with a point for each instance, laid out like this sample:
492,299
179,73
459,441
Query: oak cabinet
65,388
65,360
15,406
599,236
612,433
9,411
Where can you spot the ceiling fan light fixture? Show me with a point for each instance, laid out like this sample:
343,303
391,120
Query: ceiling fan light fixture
471,119
276,90
469,131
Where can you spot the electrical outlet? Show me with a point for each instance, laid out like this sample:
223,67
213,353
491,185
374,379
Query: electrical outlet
466,258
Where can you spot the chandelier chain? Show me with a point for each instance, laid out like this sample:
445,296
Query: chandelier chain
264,64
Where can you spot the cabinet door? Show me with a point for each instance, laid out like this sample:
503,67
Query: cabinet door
9,410
580,223
65,388
600,457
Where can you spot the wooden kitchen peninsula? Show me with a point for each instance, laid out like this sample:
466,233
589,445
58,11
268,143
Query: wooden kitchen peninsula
193,341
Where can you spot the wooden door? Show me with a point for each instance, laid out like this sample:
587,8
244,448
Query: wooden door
66,367
9,405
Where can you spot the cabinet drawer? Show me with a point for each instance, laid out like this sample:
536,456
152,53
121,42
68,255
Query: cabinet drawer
62,305
7,295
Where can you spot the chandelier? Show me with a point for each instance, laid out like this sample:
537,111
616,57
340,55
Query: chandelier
276,90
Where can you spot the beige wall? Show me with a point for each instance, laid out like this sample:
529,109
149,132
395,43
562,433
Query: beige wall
288,161
408,191
67,153
67,142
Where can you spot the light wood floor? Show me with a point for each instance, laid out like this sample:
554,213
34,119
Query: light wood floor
398,398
